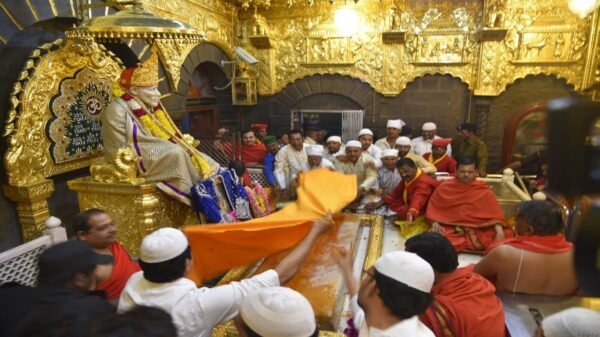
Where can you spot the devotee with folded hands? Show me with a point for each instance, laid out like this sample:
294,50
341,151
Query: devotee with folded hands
464,303
165,258
539,260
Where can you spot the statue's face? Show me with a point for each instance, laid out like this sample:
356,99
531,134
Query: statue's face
148,95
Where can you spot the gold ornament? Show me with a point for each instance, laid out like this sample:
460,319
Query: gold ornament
146,74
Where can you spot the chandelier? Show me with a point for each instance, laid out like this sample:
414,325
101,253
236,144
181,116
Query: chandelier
245,4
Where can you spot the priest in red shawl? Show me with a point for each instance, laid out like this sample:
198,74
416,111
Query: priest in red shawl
466,211
539,260
409,199
253,151
438,156
96,228
464,303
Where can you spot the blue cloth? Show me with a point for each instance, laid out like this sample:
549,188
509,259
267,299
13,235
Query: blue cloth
268,168
204,199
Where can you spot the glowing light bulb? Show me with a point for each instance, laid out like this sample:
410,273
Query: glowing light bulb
346,20
583,8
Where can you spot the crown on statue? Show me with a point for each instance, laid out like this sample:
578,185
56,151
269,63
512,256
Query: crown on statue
143,75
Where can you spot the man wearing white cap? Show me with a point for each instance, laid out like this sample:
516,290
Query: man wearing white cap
422,144
290,160
365,137
165,258
393,129
334,145
315,157
359,163
403,145
387,176
390,298
572,322
276,312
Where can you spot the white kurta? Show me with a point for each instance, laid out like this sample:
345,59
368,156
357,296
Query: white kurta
195,311
288,162
387,180
365,174
375,152
407,327
421,146
383,144
325,163
331,156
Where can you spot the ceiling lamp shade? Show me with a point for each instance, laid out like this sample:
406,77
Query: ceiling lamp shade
583,8
134,22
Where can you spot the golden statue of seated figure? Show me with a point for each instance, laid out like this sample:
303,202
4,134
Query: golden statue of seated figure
136,119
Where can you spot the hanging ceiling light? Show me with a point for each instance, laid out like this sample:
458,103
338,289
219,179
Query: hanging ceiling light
346,20
134,22
583,8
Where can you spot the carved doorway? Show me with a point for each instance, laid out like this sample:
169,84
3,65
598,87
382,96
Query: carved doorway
525,133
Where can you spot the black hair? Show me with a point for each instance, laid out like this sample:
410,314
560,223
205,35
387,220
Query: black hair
434,248
406,131
295,132
542,215
141,321
465,161
51,276
406,162
238,166
403,301
251,333
81,223
247,131
166,271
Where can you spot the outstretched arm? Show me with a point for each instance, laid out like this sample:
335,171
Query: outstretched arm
289,266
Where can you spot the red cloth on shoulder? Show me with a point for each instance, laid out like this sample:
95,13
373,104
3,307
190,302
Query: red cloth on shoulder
471,205
254,154
123,268
418,192
446,164
545,244
466,305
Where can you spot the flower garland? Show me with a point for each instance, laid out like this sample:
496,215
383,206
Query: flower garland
258,200
164,129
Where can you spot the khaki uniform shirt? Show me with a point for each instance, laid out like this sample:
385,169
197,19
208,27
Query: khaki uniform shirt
475,149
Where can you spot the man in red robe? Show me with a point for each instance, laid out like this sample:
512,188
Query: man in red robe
464,303
438,156
466,211
539,260
260,131
409,198
96,228
253,151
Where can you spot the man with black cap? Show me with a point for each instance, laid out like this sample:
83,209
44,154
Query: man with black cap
66,277
469,146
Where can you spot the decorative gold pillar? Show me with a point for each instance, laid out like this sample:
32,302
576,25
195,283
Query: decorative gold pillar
136,209
32,206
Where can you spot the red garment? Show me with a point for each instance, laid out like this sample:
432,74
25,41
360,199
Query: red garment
123,267
444,164
465,305
254,154
246,179
411,196
467,212
545,244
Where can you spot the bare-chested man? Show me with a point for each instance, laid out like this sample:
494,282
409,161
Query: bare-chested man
539,260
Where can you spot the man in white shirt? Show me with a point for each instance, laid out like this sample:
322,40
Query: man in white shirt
390,298
403,145
394,126
422,144
359,163
290,160
276,312
334,145
388,176
165,258
315,158
365,137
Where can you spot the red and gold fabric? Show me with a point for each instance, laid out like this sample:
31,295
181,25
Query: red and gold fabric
442,164
412,196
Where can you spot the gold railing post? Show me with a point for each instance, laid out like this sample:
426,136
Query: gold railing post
32,206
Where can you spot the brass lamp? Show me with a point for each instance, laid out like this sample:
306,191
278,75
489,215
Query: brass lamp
243,87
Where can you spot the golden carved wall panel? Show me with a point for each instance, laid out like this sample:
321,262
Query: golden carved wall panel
172,55
487,48
27,159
